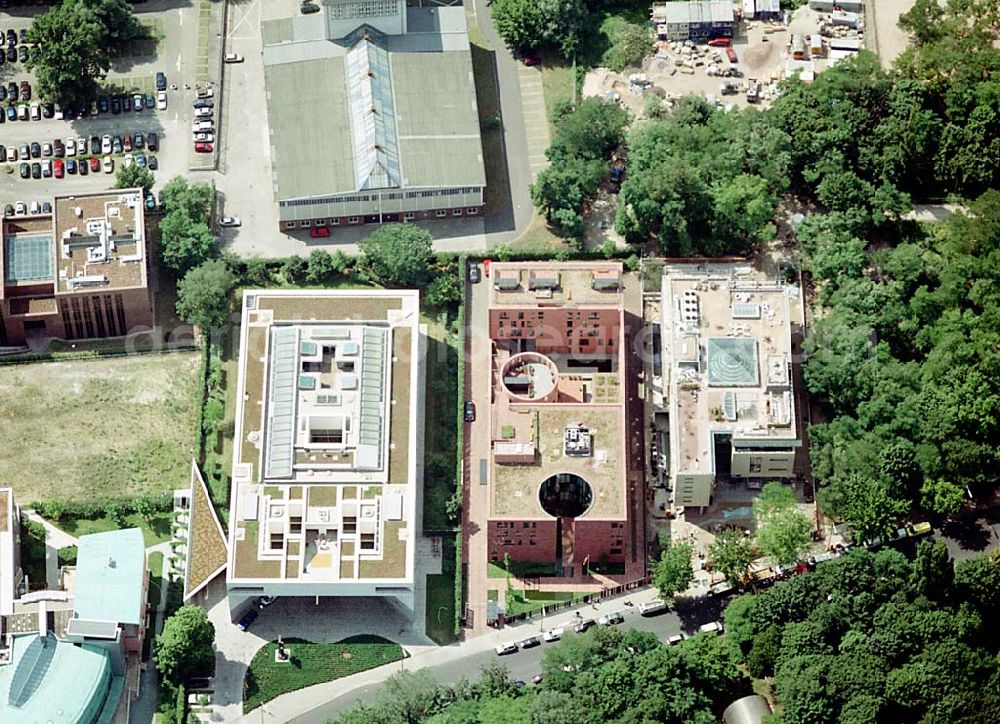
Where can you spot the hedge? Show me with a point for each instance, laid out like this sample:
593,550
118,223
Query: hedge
23,359
98,507
460,442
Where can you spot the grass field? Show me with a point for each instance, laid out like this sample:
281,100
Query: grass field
312,663
440,434
102,428
440,612
156,531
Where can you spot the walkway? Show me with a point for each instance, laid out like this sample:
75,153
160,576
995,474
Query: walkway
54,540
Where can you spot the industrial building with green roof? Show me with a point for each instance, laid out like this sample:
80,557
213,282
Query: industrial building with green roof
372,114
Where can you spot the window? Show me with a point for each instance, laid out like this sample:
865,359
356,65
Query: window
352,219
335,222
306,224
755,464
320,222
409,215
290,224
472,210
440,213
456,212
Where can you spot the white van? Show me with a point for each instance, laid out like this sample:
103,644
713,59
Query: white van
651,608
713,627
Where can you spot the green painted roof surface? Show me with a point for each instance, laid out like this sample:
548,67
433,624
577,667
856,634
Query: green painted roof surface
71,691
110,576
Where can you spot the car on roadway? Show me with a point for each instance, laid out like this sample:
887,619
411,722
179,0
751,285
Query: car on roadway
470,411
610,619
229,221
553,634
232,58
161,101
504,649
529,643
584,625
319,232
247,620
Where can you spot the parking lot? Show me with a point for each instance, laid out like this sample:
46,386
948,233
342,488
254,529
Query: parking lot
175,53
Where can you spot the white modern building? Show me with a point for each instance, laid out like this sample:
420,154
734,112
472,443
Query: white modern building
326,465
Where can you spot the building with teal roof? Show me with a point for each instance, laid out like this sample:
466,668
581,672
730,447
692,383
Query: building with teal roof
111,577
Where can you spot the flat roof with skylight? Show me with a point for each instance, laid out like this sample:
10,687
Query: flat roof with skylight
325,461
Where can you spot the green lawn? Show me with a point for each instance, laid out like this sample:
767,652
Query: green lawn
440,613
440,434
157,531
312,663
156,566
533,601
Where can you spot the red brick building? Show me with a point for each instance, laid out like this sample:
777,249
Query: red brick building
557,421
78,272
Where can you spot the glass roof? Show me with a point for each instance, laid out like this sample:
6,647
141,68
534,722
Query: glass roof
31,670
373,118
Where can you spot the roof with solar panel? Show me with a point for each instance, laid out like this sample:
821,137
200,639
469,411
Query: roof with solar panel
327,423
729,334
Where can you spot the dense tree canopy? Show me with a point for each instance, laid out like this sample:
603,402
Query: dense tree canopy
398,255
185,646
203,295
860,641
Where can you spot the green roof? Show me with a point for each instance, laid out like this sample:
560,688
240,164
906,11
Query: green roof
67,685
110,577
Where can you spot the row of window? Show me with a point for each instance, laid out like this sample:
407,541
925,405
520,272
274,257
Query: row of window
357,198
407,216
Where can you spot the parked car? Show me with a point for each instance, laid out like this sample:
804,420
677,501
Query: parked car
138,141
203,112
57,112
70,146
106,143
248,618
206,92
127,160
137,102
126,102
25,151
11,113
22,112
84,167
262,601
474,275
203,148
103,105
713,627
140,160
20,209
232,58
127,142
204,137
537,679
116,105
229,221
161,81
470,411
48,110
504,649
58,148
553,634
653,607
36,149
530,643
150,101
203,126
12,153
25,90
116,144
47,168
35,112
12,90
152,142
25,170
46,207
584,625
108,164
95,164
204,103
71,166
720,42
319,232
161,101
676,639
11,55
151,163
59,169
81,145
8,210
95,144
610,619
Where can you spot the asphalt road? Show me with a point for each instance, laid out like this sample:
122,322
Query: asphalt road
503,227
524,664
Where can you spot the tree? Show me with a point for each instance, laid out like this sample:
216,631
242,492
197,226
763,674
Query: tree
134,176
731,554
627,43
257,272
673,572
773,498
941,497
398,255
592,130
293,269
519,22
784,535
444,291
320,266
933,570
195,200
185,646
744,207
184,243
76,42
145,507
203,295
868,507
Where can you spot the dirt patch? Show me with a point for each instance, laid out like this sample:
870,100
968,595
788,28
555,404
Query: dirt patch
760,56
98,428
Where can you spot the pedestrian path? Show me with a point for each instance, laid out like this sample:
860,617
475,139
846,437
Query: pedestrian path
536,122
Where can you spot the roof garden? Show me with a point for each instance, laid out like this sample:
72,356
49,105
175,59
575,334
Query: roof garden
206,541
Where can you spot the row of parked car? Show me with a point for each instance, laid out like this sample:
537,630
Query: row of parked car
81,146
13,53
204,123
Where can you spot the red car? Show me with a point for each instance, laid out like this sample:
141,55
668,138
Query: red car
95,164
58,168
720,42
319,232
731,54
202,147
